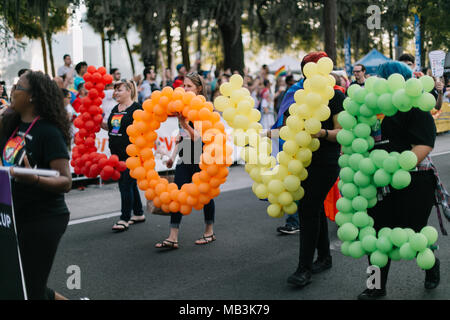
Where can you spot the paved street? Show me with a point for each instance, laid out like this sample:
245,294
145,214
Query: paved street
249,260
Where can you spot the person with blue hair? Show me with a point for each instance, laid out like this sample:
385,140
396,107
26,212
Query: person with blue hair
410,207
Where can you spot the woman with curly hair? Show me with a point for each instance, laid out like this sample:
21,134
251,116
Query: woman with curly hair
35,132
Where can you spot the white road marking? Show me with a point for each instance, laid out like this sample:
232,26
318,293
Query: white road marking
440,154
95,218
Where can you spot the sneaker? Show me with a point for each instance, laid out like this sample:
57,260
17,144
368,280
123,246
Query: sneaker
300,278
372,294
288,229
321,265
432,276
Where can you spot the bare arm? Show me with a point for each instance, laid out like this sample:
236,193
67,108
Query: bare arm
331,133
421,152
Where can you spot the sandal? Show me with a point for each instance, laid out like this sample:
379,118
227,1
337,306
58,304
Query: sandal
206,239
135,221
122,224
167,244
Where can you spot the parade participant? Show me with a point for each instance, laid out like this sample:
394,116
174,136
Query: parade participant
322,175
359,72
67,67
179,79
188,165
35,132
120,118
410,207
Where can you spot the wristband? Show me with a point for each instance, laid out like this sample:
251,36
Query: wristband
326,134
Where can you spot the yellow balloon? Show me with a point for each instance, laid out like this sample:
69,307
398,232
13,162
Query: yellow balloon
294,123
221,103
274,210
305,112
253,139
312,126
264,160
236,81
322,113
331,81
314,145
265,148
250,100
290,147
255,174
325,65
295,166
317,82
299,193
310,69
299,95
261,191
285,198
229,115
254,115
328,93
294,109
303,139
313,99
281,172
236,96
244,107
286,134
249,167
291,183
256,126
303,175
240,138
304,155
290,209
276,187
226,89
284,158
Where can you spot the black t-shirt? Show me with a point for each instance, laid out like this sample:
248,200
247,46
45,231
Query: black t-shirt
404,129
328,153
189,151
118,123
43,144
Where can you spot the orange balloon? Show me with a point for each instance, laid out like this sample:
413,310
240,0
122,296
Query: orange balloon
204,114
204,176
204,199
162,118
151,136
174,206
212,170
196,103
177,95
140,142
138,115
192,201
141,126
174,194
139,173
150,194
172,187
157,202
132,163
192,115
146,154
196,178
132,150
154,125
198,206
215,117
147,116
164,182
149,165
185,112
171,107
187,97
132,131
143,184
193,190
178,104
223,173
155,96
147,105
213,193
185,209
219,126
163,102
152,174
182,197
168,92
179,90
160,188
165,208
153,183
159,110
204,187
214,182
165,197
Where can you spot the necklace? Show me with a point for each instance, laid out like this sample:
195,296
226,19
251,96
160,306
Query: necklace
23,138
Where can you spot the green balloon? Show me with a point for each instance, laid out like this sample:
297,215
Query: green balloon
406,252
344,205
401,100
425,259
347,150
360,204
340,184
368,192
426,102
370,121
343,218
378,156
360,95
385,232
356,250
369,243
367,231
385,104
371,222
345,137
407,160
418,242
410,232
427,83
346,120
343,160
355,160
369,84
349,191
360,219
396,82
399,237
371,100
384,244
381,178
414,87
367,167
401,179
394,254
347,232
345,248
372,202
431,234
351,106
347,175
362,130
371,143
365,111
379,259
361,180
381,86
390,164
351,91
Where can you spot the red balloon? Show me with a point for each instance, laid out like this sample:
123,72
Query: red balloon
102,95
113,162
84,158
92,69
107,79
93,110
77,170
102,163
98,101
98,119
78,123
89,125
87,77
89,85
102,70
86,101
97,77
116,175
90,142
93,94
122,166
86,116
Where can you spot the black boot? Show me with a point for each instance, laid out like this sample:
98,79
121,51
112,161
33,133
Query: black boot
300,278
321,265
432,276
372,294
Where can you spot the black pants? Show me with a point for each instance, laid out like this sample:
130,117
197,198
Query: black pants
38,242
130,198
406,208
312,218
183,174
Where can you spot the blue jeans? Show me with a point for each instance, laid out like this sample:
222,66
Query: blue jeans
292,220
129,195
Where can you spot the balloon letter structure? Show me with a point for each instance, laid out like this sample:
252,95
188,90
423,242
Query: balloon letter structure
279,183
214,162
85,158
362,172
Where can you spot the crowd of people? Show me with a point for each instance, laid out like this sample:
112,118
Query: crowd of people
36,131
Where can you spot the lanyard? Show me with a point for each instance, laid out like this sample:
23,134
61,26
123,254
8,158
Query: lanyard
23,139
